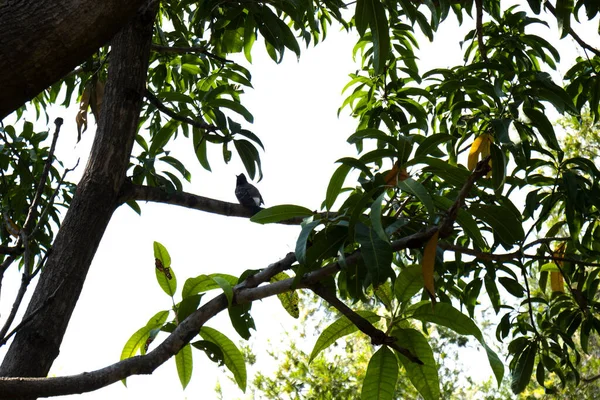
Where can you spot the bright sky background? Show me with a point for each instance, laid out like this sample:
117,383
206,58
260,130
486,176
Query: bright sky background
295,108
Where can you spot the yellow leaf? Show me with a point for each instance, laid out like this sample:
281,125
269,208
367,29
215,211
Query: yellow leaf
428,264
395,175
12,228
481,146
557,282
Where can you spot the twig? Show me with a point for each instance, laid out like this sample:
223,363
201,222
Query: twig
479,28
161,107
30,220
572,33
186,50
378,337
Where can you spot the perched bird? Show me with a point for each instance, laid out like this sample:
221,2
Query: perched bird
247,194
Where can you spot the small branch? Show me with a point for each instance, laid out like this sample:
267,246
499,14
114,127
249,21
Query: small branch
31,215
166,110
193,201
572,33
479,28
591,379
186,50
378,337
481,169
546,240
11,250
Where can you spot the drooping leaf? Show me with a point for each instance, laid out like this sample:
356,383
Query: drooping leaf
523,368
335,185
408,283
289,300
417,189
203,283
382,374
446,315
376,218
502,221
423,376
376,253
184,362
339,328
234,360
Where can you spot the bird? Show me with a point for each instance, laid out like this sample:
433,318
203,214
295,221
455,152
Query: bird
247,194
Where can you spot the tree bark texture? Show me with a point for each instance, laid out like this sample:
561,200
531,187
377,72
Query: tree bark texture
37,345
42,41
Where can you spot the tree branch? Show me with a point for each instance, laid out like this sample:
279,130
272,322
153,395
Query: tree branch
479,27
572,33
186,50
378,337
193,201
166,110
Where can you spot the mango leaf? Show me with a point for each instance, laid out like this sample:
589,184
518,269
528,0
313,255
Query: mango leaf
382,374
380,33
184,362
423,377
408,283
544,126
362,16
376,253
204,283
226,286
289,300
138,339
564,9
241,319
428,265
234,360
165,276
302,241
503,222
280,213
465,220
446,315
523,368
417,189
187,306
376,218
339,328
431,143
335,185
233,106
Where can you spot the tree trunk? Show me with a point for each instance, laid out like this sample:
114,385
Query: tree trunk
37,345
41,41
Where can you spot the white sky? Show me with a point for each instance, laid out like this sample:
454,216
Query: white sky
295,108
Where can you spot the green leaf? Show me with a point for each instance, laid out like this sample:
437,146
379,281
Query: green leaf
564,9
249,155
382,374
408,283
161,253
204,283
446,315
339,328
184,362
302,241
187,306
502,221
241,319
234,360
523,368
233,106
362,16
280,213
165,276
226,286
289,300
431,143
417,189
381,35
465,220
376,253
162,137
376,218
498,167
335,185
423,377
544,126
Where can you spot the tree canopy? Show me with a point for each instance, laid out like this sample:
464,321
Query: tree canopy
460,192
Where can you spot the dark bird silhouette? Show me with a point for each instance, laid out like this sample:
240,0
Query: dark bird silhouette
247,194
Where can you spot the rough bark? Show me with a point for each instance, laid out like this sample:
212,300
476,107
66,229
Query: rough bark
37,345
41,41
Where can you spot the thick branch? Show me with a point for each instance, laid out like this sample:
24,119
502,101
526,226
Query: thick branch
193,201
43,41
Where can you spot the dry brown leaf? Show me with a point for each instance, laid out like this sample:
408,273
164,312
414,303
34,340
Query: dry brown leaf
395,175
81,117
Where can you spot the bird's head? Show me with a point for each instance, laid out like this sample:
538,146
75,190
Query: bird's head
241,179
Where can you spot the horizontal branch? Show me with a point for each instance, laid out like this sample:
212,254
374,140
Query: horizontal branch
188,50
193,201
